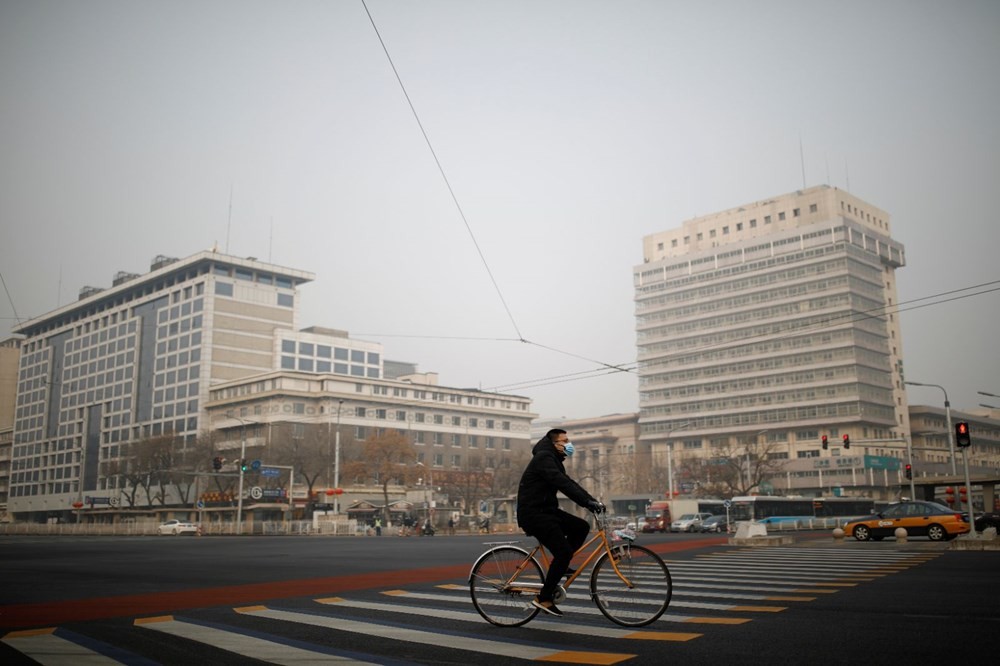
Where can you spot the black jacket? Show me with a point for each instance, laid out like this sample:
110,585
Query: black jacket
543,476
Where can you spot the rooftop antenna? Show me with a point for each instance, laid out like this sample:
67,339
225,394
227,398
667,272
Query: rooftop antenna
827,159
847,175
270,241
802,160
229,220
59,288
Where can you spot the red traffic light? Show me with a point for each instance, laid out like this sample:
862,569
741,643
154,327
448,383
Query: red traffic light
847,441
909,471
962,436
825,443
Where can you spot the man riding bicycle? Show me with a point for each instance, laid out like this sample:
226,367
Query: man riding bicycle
539,515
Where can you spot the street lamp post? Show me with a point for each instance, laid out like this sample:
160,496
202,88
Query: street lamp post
429,482
243,453
670,464
947,416
336,461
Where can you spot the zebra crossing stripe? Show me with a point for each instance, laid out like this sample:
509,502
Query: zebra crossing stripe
556,625
243,644
46,648
586,609
471,644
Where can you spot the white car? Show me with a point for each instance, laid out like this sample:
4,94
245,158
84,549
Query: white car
177,527
689,522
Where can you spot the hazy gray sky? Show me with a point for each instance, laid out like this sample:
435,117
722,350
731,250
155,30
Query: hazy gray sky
568,131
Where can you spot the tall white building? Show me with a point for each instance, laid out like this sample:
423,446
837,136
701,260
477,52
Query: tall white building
143,357
774,321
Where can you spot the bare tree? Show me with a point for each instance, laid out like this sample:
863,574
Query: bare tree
386,458
734,469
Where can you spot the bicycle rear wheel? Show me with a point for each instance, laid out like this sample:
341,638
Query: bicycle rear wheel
500,599
650,591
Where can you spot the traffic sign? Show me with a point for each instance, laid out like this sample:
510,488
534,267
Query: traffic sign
256,492
200,504
270,471
727,503
255,465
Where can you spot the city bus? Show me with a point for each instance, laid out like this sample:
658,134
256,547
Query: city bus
798,510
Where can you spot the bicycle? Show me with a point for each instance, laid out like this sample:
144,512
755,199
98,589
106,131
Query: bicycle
630,584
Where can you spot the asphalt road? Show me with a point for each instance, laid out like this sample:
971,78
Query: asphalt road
233,600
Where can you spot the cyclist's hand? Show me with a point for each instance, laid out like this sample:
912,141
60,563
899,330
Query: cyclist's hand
596,507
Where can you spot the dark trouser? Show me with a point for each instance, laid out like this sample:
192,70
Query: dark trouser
562,534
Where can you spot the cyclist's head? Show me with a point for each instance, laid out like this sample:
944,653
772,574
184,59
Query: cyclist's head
560,440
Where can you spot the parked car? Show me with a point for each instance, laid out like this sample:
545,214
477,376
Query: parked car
177,527
715,524
985,520
689,522
919,518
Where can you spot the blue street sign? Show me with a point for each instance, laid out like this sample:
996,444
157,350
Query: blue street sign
270,471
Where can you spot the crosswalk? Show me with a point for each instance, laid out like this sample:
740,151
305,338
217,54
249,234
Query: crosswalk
413,625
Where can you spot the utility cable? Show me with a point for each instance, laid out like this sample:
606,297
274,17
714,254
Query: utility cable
444,176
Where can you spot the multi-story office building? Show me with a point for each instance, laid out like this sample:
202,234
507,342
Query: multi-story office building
772,322
139,360
10,354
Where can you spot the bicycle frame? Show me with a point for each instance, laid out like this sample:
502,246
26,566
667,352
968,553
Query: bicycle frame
603,546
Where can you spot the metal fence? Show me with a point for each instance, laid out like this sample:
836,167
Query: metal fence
208,528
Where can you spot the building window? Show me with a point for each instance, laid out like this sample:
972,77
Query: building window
796,212
812,208
739,226
700,235
753,224
659,246
767,219
781,215
223,289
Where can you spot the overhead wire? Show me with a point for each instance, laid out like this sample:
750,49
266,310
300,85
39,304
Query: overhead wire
444,176
853,316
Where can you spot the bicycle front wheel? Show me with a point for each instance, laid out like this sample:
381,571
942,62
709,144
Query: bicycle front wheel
640,594
499,597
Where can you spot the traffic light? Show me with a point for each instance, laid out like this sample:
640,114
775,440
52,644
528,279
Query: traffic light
909,471
962,437
244,465
217,463
826,444
847,441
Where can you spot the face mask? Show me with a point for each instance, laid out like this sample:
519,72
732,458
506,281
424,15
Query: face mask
569,449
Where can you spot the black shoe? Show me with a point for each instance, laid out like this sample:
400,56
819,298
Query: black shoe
570,571
547,606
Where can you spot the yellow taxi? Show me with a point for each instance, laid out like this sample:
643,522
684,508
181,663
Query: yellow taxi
918,518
